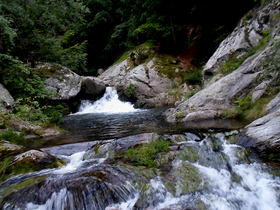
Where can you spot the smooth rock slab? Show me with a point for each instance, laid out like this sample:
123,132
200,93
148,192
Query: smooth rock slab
263,136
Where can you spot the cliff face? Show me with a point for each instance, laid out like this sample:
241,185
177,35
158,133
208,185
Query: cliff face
247,35
260,71
255,44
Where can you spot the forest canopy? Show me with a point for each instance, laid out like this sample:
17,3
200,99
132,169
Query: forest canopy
85,35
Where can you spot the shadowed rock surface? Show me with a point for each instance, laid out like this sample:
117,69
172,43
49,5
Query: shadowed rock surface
7,102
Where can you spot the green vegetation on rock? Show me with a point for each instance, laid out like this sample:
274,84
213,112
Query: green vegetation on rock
130,90
12,136
143,155
244,108
233,62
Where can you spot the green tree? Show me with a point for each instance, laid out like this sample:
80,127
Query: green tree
44,30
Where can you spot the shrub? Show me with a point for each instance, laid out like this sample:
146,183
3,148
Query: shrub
130,90
194,78
12,136
144,154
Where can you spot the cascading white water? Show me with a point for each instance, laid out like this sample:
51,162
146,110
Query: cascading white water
109,103
210,173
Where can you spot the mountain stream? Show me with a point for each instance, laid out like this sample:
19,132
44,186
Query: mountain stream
206,170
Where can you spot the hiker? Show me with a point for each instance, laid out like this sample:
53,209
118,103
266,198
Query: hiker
133,58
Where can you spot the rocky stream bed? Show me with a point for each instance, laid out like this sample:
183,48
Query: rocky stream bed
204,168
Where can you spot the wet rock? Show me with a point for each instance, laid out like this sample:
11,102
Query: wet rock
69,149
33,160
119,147
8,149
262,136
7,102
62,81
92,87
101,186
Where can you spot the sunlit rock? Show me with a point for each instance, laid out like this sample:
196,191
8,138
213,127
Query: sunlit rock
33,160
63,82
150,86
7,149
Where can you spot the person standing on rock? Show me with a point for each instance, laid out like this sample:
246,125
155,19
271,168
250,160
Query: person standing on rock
133,58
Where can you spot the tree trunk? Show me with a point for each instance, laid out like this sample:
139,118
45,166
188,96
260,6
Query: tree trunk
174,37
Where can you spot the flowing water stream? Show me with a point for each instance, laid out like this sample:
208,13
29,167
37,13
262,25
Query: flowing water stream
208,170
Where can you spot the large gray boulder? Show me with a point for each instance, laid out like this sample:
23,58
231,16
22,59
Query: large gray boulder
64,83
33,160
7,102
92,86
263,136
244,37
149,84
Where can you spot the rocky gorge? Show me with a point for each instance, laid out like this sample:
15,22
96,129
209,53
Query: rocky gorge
197,152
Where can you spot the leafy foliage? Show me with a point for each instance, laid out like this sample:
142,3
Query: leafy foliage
12,136
130,90
43,29
194,78
45,115
22,82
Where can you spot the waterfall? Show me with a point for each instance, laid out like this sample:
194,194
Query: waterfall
109,103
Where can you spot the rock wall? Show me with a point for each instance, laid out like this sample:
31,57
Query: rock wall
245,36
263,134
150,86
253,77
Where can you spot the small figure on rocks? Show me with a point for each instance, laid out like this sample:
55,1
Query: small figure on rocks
133,58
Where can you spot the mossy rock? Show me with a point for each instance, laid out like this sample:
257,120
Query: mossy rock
8,149
27,183
33,160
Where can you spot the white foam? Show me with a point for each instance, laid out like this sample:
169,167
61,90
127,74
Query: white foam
109,103
256,189
57,201
76,160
